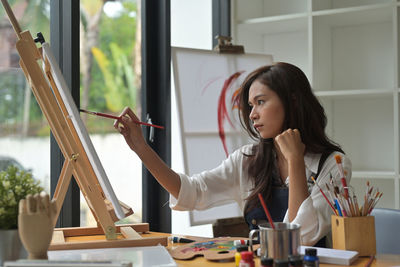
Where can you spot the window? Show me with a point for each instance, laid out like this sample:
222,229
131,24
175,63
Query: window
23,129
110,80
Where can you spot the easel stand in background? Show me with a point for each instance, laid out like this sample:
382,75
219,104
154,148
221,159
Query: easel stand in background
76,159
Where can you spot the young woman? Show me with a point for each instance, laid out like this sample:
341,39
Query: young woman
278,109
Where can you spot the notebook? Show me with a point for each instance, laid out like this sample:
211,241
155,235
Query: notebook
333,256
138,256
44,263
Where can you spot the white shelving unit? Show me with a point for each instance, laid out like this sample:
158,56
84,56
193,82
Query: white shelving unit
349,50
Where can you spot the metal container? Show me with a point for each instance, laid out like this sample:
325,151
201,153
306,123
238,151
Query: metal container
280,242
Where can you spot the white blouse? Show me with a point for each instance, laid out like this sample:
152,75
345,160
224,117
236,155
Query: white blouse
229,183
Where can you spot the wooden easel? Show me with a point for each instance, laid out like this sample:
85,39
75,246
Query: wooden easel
76,159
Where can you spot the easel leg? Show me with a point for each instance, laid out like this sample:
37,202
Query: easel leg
62,185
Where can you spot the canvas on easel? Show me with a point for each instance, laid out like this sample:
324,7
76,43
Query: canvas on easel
81,160
200,77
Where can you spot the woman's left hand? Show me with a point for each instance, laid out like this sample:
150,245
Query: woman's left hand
290,144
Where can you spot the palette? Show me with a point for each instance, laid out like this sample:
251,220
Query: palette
221,248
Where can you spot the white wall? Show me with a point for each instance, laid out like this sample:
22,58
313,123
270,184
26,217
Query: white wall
191,23
191,26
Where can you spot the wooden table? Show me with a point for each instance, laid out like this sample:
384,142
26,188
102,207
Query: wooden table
379,261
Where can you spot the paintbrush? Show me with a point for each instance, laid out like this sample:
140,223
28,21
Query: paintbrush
323,194
338,159
118,118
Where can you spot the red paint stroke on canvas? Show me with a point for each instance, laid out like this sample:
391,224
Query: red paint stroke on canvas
222,111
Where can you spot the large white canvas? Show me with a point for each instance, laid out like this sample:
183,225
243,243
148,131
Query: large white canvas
199,76
80,128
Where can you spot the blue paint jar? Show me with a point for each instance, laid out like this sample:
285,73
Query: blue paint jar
310,258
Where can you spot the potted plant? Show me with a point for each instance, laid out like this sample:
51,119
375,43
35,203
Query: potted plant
15,184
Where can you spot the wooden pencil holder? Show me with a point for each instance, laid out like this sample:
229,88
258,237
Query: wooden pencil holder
354,233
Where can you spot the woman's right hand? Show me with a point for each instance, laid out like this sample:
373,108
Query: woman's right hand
131,131
133,135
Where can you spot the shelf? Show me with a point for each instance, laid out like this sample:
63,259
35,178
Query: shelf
268,8
349,50
355,93
355,15
318,5
275,24
335,17
373,175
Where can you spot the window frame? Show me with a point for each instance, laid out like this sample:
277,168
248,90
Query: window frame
221,19
156,101
64,40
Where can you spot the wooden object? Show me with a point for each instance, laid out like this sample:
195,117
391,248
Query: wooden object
225,45
35,224
354,233
93,237
213,249
61,113
235,226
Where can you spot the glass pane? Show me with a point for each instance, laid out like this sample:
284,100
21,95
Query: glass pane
197,34
110,77
24,131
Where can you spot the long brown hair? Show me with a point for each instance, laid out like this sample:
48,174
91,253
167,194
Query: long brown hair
302,111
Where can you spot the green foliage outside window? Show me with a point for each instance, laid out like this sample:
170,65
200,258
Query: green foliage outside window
113,78
112,85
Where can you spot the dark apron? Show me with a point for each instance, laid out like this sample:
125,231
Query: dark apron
278,204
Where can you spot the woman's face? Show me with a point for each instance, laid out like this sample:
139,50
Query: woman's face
267,111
